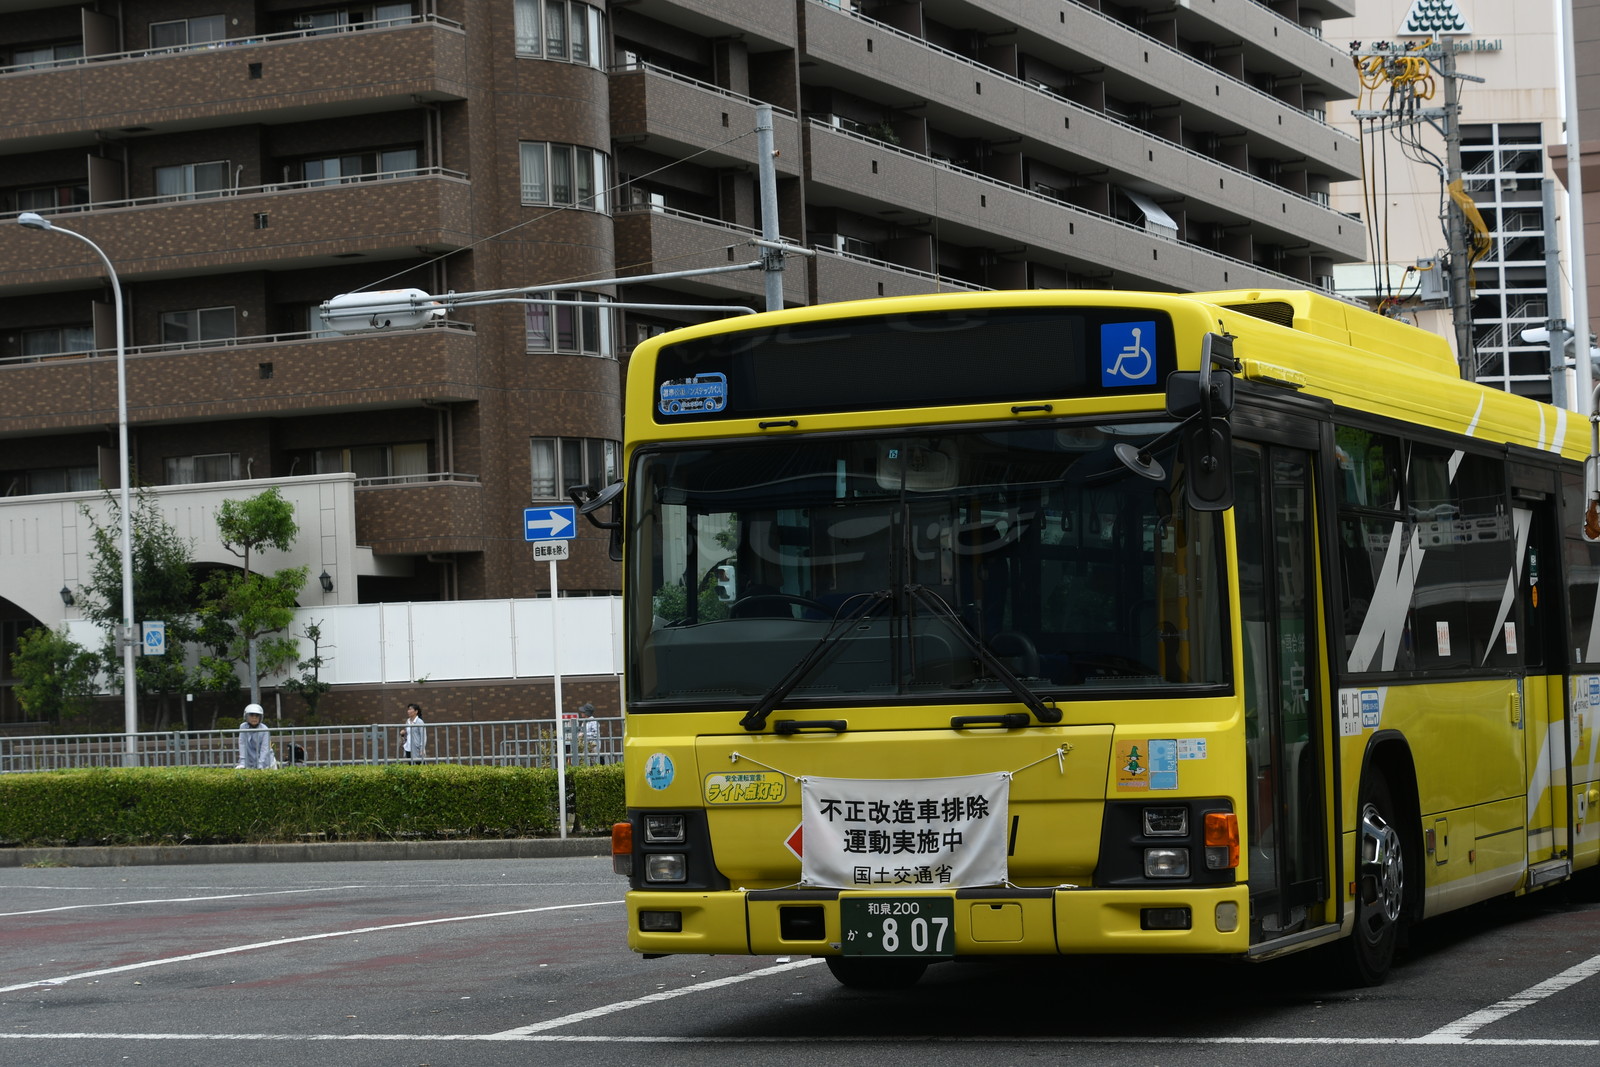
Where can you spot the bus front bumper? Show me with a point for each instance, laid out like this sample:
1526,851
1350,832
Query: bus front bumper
988,922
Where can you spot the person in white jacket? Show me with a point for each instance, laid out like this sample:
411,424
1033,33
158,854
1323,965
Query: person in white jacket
414,734
255,742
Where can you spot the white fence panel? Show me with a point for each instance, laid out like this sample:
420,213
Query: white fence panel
448,640
461,639
351,649
394,627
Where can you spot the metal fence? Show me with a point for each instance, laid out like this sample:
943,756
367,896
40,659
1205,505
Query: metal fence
519,743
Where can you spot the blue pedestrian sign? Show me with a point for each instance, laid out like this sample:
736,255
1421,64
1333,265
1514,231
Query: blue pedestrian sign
554,523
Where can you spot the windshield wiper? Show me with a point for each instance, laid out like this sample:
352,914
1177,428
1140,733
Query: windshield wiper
756,717
922,595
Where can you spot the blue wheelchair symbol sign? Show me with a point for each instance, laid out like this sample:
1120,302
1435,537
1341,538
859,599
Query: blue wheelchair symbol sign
1127,354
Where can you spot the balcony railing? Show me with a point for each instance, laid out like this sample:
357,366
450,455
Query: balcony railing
663,72
408,174
435,477
258,340
1085,213
722,224
941,281
230,42
1118,23
1057,98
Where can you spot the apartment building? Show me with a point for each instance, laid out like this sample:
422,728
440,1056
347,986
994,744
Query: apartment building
241,161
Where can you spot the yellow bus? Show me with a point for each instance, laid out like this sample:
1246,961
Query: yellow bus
1060,622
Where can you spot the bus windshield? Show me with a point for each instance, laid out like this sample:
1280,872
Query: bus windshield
901,553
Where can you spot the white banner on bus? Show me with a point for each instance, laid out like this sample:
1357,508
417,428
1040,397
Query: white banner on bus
904,833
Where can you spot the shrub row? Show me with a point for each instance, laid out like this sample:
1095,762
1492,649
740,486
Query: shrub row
151,805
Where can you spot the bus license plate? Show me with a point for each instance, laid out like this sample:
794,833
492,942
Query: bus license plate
903,926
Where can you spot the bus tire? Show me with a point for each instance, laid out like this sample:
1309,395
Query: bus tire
1381,887
854,972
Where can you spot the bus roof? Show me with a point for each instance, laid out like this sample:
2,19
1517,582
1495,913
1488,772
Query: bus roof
1357,359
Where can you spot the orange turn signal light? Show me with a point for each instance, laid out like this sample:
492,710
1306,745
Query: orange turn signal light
622,848
1222,834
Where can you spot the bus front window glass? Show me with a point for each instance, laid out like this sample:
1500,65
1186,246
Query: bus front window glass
1034,544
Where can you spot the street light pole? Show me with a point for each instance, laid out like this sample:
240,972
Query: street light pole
130,692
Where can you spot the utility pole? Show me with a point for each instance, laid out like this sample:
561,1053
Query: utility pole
1413,72
767,173
1555,324
1456,226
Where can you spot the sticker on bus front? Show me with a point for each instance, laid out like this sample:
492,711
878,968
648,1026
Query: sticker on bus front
754,787
1133,765
1163,763
658,770
702,394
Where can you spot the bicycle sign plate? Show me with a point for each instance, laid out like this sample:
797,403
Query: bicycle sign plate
897,926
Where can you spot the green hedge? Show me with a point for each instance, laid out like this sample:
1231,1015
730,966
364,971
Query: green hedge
139,805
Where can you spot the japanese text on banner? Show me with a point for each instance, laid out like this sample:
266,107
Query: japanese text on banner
864,833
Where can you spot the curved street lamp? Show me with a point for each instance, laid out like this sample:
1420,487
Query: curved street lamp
130,694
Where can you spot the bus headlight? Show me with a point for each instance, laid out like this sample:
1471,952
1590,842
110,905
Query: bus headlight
663,829
1166,863
1166,822
666,867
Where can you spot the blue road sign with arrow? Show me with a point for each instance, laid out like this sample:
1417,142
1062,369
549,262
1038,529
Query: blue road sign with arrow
553,523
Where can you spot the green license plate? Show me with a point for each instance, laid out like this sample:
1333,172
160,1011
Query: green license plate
897,926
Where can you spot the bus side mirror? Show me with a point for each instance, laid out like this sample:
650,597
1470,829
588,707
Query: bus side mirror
1208,465
589,504
1209,391
1206,399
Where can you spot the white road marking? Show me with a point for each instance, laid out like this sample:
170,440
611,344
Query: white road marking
290,941
815,1039
1462,1027
655,998
177,900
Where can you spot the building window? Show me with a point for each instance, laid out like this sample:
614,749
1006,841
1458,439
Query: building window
196,326
52,197
399,462
561,29
360,166
182,33
563,175
214,467
579,322
559,463
49,480
189,181
55,340
47,55
341,19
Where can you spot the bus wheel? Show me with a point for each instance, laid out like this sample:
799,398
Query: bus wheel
1380,888
857,973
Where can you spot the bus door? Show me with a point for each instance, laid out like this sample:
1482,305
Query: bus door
1274,520
1537,626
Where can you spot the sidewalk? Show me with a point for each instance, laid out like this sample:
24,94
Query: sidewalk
305,852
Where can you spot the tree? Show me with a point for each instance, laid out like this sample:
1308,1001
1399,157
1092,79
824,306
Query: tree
55,675
310,686
163,588
243,607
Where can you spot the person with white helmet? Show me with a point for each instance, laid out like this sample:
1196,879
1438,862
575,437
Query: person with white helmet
255,741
